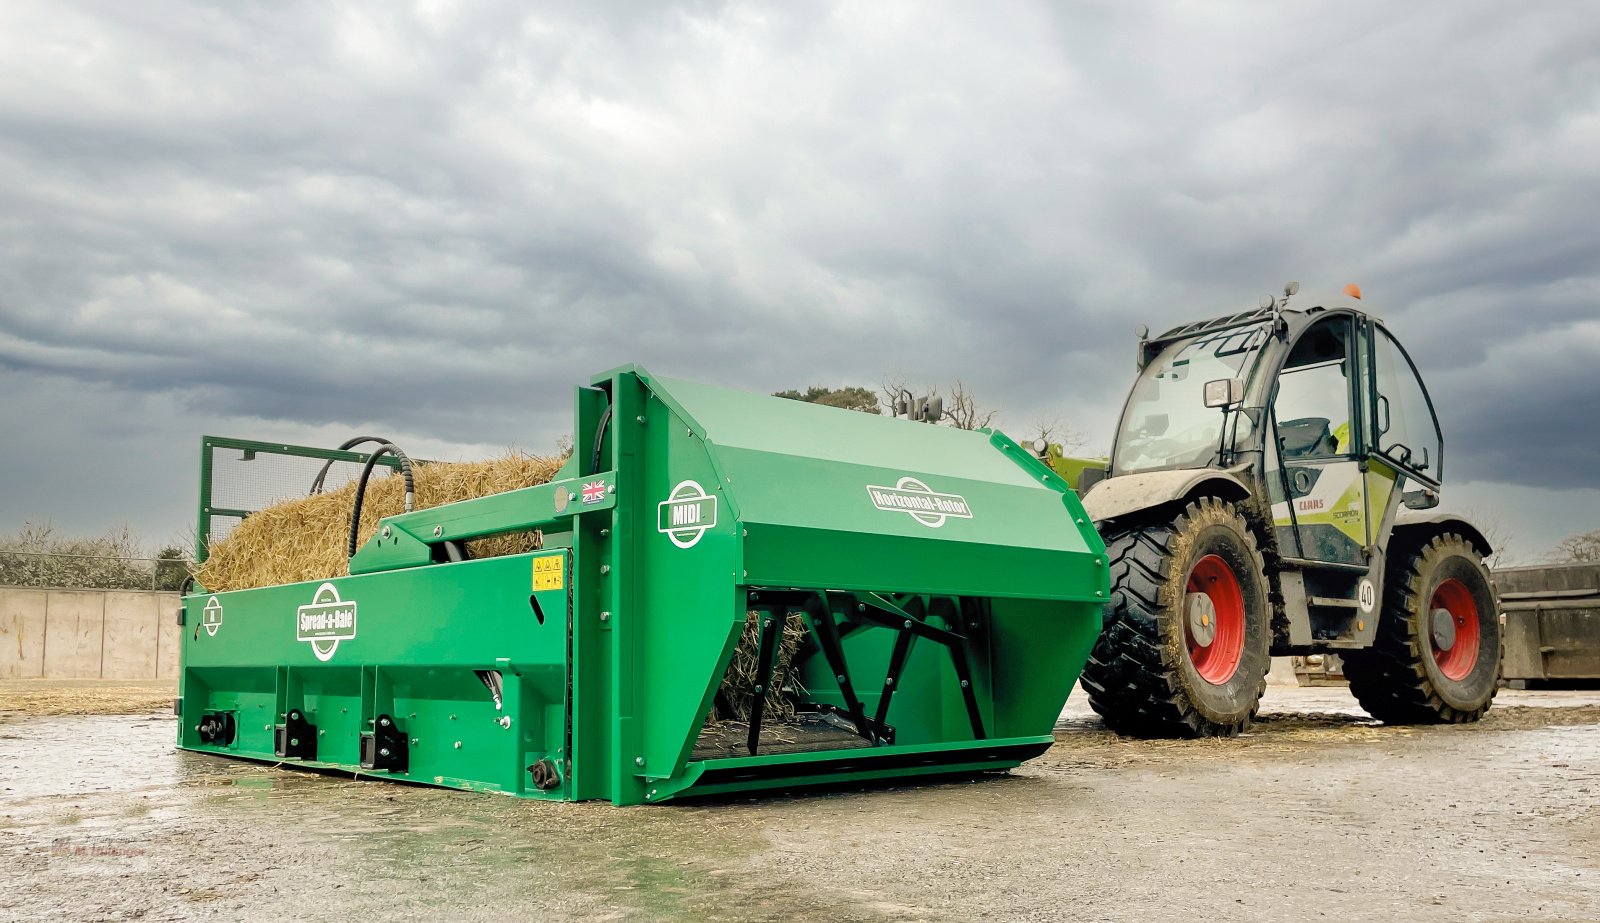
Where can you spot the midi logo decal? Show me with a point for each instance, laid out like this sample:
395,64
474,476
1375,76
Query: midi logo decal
686,514
921,502
211,617
326,621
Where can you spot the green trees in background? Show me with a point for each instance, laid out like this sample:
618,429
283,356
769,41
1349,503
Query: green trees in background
172,567
848,397
38,556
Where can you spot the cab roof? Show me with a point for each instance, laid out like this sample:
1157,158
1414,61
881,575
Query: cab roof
1305,307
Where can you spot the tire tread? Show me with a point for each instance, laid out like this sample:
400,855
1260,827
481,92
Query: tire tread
1389,679
1130,677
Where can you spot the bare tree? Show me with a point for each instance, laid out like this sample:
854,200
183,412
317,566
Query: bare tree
891,389
1054,432
1578,549
963,411
1494,529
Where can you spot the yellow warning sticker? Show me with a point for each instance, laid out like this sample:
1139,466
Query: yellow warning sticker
548,573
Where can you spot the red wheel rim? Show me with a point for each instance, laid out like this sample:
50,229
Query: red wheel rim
1453,596
1218,661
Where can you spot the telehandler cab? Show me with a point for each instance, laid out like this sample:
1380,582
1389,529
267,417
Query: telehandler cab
1268,494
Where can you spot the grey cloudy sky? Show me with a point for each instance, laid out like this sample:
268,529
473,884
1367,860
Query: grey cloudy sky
303,221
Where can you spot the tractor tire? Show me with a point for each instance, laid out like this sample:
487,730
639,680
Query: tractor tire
1184,650
1436,659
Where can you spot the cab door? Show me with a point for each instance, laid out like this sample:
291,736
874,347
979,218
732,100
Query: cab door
1320,504
1401,432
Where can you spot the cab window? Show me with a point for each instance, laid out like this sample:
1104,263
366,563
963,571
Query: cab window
1312,407
1407,431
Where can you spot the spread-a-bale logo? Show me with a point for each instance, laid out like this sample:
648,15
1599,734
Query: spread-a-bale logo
686,514
211,617
326,622
922,502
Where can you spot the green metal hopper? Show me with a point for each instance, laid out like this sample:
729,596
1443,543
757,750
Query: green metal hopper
947,587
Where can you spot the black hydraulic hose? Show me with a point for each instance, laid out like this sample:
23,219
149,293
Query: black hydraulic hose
599,436
322,476
388,448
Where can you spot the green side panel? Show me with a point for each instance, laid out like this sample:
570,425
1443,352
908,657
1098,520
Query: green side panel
407,645
1036,654
829,495
690,596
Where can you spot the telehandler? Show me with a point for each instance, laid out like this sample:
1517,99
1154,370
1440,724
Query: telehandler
1270,491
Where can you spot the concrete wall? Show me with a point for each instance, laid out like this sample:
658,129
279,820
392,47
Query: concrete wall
88,634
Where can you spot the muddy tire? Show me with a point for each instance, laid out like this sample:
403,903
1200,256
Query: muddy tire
1184,650
1436,658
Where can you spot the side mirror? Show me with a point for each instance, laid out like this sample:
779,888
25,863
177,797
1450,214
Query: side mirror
1423,499
1224,392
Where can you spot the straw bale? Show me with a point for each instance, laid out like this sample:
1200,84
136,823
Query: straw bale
305,539
739,685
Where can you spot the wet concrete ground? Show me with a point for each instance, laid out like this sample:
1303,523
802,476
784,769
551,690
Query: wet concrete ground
1316,814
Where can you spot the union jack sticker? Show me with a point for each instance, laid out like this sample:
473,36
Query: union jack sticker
594,491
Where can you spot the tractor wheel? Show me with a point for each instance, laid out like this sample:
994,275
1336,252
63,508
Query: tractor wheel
1184,650
1436,658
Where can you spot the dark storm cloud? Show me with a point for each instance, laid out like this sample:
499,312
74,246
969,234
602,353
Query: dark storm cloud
309,217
